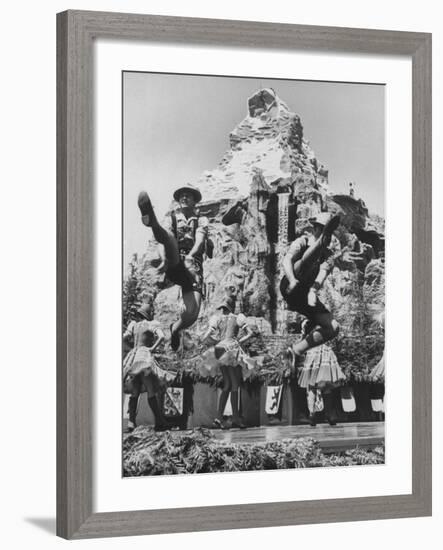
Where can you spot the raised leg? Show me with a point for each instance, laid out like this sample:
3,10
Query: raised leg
315,250
310,256
162,236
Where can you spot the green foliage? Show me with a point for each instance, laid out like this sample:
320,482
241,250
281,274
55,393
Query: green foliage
146,452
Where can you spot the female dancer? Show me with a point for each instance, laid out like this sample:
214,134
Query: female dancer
227,332
319,375
141,371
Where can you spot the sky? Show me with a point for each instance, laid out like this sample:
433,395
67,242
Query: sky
177,126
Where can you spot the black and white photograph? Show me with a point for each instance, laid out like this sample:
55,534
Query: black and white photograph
253,269
218,219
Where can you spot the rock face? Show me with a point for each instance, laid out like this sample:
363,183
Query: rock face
270,140
258,199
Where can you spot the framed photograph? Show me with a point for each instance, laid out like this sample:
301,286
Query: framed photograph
244,274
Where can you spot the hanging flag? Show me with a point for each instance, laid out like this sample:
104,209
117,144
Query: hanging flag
348,399
377,405
315,401
273,396
173,402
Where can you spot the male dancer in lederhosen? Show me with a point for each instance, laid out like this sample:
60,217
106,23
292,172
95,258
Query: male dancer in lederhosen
182,237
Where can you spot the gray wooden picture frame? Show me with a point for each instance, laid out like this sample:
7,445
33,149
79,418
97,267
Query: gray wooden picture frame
76,32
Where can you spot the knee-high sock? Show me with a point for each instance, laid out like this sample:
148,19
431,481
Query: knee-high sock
222,403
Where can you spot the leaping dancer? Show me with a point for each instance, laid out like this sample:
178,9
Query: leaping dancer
306,266
182,237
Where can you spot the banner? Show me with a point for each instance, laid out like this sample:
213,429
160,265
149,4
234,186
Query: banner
348,399
315,400
173,403
377,405
273,397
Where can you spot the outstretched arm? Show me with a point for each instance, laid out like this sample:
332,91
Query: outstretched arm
201,234
200,237
248,333
212,332
246,330
128,335
326,267
324,271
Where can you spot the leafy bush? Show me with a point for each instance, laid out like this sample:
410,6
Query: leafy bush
146,452
357,357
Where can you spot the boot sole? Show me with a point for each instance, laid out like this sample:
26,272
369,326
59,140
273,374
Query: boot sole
145,206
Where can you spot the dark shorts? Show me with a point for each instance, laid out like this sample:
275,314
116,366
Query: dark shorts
189,277
297,300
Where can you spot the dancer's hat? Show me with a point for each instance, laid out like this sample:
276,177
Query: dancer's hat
328,222
145,311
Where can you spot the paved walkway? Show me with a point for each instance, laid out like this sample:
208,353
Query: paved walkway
330,438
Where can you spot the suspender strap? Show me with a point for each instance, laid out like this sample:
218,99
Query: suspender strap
174,224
